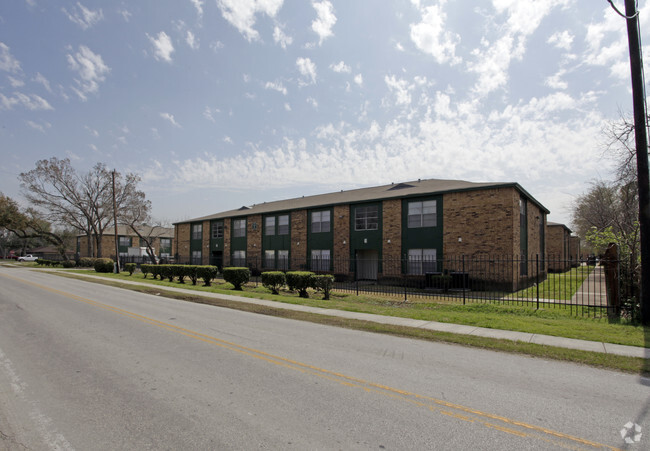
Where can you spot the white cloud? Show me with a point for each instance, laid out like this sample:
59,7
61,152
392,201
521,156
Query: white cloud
7,61
208,113
91,70
126,15
241,14
561,40
340,67
430,35
607,46
399,47
83,16
358,79
30,101
198,4
227,139
307,69
170,118
313,102
39,127
191,40
324,21
287,107
15,82
401,88
215,46
92,131
276,86
163,47
280,38
555,81
40,79
491,61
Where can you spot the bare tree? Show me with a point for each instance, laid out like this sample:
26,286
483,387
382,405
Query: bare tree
81,202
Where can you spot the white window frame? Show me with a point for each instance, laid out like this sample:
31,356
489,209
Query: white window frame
364,219
422,214
124,241
320,259
197,258
197,231
283,225
217,230
269,226
239,228
283,260
239,258
269,259
320,221
422,261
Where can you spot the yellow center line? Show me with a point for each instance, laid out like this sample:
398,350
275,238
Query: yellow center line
432,404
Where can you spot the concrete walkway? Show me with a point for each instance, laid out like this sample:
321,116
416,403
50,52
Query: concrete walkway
548,340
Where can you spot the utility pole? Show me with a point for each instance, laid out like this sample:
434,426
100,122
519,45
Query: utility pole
117,246
641,141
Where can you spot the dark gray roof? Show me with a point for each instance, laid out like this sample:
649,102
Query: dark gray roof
394,190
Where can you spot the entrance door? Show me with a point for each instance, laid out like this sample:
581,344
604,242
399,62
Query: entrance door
217,258
367,264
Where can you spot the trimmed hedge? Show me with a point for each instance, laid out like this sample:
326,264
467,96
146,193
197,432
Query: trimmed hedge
237,276
68,263
324,283
300,281
273,280
104,265
207,274
87,262
130,268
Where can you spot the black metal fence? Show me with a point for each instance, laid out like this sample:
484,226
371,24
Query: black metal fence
586,288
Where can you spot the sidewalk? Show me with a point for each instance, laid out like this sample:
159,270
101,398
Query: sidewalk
547,340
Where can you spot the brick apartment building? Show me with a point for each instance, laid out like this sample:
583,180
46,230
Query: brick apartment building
162,241
406,228
558,247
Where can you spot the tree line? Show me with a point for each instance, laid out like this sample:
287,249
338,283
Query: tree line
65,203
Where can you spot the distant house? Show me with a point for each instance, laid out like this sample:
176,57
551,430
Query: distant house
127,238
405,228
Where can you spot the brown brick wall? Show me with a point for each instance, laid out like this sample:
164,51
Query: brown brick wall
298,238
574,253
254,228
485,220
341,229
558,255
392,237
226,242
205,243
183,235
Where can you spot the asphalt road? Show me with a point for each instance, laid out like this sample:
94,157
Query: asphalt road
85,366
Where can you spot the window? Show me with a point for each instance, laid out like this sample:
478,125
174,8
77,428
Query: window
320,221
422,214
197,231
239,258
366,218
422,261
283,260
239,228
125,241
165,247
269,259
283,225
217,229
269,225
320,260
196,258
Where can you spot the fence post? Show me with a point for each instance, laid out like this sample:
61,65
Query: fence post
463,276
537,277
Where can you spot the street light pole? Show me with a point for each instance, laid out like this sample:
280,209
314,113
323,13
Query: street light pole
117,247
641,141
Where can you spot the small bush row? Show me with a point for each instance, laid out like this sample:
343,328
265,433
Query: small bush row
104,265
170,272
64,263
299,281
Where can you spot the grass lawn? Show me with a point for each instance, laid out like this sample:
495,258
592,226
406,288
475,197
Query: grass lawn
549,320
560,286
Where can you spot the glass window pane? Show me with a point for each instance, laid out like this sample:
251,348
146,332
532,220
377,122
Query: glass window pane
283,225
269,226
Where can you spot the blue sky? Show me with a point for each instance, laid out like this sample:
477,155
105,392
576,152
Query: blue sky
222,103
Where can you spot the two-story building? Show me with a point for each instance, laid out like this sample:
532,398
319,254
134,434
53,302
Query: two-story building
406,228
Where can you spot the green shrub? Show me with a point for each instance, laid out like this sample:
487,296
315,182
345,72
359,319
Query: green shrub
87,262
104,265
324,283
236,276
146,269
192,273
167,272
68,263
207,274
42,262
273,280
300,281
156,271
130,268
180,271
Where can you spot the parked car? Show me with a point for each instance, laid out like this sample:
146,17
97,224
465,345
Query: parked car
27,258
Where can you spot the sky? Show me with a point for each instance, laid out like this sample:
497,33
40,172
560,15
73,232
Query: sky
217,104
